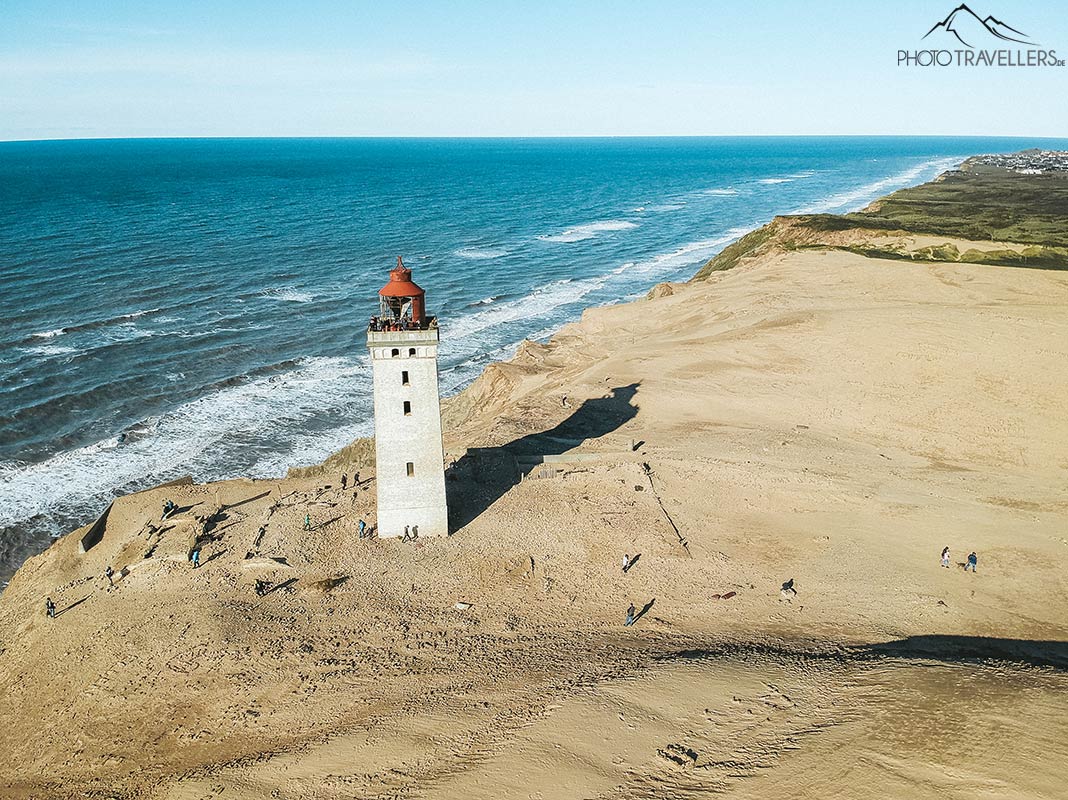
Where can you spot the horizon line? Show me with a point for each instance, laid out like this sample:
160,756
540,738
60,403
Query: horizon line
548,137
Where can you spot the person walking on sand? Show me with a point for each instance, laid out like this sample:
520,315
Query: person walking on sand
945,557
356,479
50,608
407,536
626,562
362,526
973,559
307,522
108,572
630,616
195,556
344,481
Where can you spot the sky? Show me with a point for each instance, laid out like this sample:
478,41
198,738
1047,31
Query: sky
132,69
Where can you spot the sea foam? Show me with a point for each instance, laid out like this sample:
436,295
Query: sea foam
46,350
689,254
540,301
580,233
481,253
860,196
265,415
289,295
465,339
121,319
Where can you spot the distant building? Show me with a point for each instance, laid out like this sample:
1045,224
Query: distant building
1026,162
410,469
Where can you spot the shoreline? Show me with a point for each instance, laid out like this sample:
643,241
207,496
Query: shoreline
347,455
26,536
832,409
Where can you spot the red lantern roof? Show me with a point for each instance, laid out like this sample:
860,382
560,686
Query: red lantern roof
400,283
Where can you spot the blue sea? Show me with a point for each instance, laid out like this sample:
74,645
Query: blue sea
175,307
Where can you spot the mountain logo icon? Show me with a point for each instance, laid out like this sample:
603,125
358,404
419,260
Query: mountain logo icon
969,27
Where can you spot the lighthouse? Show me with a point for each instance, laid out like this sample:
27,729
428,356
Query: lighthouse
403,342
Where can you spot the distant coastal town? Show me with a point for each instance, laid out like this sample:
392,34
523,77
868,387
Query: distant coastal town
1026,162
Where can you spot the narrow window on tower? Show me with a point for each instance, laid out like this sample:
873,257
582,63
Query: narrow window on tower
404,378
407,408
411,351
411,469
395,353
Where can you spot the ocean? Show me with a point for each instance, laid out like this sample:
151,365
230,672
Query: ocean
175,307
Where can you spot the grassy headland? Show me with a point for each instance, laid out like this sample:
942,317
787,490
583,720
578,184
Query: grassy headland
983,213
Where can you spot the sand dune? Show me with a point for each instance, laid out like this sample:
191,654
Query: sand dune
815,415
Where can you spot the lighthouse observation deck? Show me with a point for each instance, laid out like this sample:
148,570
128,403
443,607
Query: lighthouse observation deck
382,332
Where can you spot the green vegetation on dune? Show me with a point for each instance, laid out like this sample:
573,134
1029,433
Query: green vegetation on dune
981,204
978,203
729,257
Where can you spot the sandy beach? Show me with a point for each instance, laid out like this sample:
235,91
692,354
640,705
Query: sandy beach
812,414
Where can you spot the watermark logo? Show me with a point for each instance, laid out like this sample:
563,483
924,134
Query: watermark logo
963,22
987,42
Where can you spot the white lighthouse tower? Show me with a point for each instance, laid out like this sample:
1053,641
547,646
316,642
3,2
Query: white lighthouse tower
409,460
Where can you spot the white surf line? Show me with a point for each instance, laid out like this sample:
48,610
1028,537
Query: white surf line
855,199
580,233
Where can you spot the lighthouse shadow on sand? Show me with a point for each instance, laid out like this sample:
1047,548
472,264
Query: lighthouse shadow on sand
482,476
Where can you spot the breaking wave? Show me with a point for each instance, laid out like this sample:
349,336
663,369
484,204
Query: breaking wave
580,233
48,334
860,196
289,295
121,319
481,253
249,425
